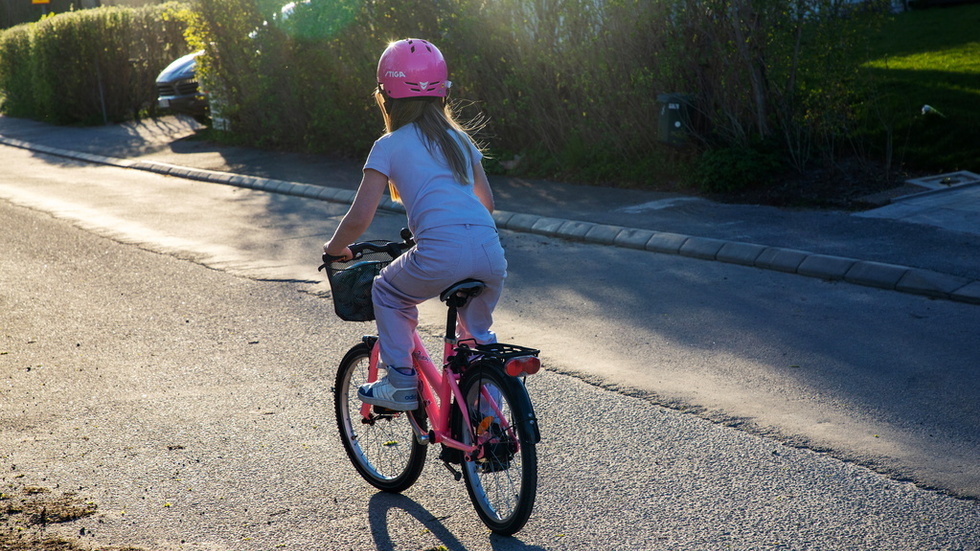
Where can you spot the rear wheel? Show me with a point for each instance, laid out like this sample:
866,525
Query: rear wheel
502,481
382,446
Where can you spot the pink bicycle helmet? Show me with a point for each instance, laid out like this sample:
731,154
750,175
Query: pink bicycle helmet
413,68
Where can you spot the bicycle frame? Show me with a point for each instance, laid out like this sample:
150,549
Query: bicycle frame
438,388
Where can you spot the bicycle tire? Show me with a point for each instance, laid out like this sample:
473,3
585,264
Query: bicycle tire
502,485
383,449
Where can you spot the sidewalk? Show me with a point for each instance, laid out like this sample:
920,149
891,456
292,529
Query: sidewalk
925,244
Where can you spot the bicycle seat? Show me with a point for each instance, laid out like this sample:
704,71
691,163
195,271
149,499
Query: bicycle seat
460,291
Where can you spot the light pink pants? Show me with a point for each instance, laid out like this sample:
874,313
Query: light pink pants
442,257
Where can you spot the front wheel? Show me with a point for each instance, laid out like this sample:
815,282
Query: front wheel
502,480
381,446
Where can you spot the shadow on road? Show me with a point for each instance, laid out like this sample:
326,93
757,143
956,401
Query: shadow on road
382,503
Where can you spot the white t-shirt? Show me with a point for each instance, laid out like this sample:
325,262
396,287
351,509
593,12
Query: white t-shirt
430,192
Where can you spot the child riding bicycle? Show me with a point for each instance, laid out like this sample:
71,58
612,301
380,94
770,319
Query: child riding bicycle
431,165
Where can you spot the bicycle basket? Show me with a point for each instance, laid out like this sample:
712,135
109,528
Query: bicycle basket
351,283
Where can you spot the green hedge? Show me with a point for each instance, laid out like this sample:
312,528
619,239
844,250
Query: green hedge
89,66
569,86
16,83
306,86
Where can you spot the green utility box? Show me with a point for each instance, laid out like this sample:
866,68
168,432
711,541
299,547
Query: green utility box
675,118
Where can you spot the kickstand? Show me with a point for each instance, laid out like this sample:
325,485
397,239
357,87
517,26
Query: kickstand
456,474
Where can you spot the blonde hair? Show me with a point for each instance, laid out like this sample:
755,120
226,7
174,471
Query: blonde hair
436,120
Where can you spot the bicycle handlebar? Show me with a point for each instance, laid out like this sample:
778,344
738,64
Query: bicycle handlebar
393,248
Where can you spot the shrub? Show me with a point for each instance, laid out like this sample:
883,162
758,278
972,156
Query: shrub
16,86
736,168
90,66
549,76
288,84
572,85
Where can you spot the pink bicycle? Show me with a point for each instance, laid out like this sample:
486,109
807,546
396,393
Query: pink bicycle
475,406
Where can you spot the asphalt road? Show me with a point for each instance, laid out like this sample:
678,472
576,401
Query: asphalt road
183,392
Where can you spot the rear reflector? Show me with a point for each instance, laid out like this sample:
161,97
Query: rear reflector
522,366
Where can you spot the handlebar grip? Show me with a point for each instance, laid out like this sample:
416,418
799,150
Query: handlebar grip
328,259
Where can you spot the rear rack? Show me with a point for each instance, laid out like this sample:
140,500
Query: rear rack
467,351
505,351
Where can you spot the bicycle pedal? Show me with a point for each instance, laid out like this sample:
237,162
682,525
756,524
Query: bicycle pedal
381,410
378,410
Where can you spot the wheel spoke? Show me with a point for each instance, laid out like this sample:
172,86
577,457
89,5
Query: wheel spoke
381,447
502,481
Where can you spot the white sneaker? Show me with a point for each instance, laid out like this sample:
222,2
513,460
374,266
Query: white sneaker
383,393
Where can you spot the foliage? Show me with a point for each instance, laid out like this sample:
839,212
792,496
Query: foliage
736,168
570,84
15,72
287,83
90,66
569,87
769,69
549,75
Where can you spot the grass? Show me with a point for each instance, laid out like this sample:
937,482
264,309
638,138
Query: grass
929,57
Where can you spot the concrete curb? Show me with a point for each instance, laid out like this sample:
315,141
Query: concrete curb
903,279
